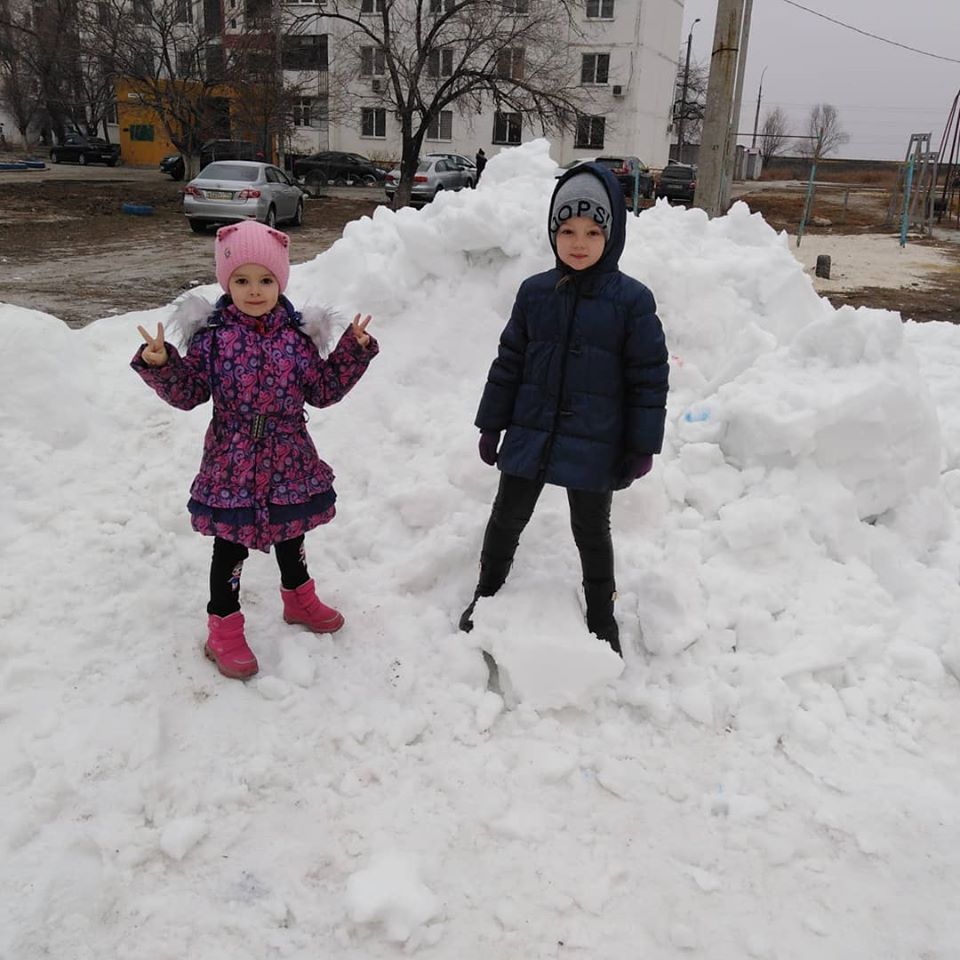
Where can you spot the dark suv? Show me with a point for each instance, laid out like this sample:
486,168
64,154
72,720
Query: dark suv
338,168
677,181
629,170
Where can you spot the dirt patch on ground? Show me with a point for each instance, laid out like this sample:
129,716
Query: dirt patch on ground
74,253
836,208
71,251
936,298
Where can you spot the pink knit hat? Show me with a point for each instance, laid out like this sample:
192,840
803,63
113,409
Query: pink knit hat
251,242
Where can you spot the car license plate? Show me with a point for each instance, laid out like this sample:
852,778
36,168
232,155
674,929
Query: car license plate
218,194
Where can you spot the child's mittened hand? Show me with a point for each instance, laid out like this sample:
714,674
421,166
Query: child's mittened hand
359,329
638,465
155,352
489,441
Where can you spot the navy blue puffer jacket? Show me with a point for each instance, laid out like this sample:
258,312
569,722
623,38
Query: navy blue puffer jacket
580,379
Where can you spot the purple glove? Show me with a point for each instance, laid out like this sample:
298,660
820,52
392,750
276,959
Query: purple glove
637,465
489,441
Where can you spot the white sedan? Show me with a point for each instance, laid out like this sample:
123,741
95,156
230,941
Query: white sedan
230,190
434,174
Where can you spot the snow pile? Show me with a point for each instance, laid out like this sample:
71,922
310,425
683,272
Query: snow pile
771,773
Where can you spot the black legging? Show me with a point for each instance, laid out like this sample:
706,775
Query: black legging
227,565
512,509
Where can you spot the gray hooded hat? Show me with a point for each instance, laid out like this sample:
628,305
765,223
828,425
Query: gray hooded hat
583,195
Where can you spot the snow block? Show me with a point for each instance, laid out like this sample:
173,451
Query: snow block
547,660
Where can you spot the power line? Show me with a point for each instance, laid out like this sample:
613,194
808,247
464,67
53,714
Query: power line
873,36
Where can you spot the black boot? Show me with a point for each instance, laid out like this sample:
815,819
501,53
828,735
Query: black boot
492,578
600,618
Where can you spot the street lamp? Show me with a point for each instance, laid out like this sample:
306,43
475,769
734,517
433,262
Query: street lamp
756,116
683,94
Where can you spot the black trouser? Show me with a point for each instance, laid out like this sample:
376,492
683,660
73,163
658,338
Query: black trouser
512,509
227,565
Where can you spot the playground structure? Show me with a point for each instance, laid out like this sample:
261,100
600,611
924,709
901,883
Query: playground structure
928,182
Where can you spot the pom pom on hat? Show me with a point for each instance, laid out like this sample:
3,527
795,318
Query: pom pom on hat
583,195
251,242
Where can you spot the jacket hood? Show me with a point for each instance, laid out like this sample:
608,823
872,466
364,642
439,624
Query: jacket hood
610,260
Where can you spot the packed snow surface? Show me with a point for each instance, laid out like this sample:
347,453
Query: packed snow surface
772,773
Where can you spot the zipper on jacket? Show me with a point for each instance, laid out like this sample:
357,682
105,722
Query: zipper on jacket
565,348
259,426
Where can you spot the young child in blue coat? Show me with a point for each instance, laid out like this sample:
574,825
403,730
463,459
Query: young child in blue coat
578,392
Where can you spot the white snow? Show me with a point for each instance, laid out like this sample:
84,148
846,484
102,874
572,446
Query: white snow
771,773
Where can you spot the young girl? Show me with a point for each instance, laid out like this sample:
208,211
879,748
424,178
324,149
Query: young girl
580,386
261,483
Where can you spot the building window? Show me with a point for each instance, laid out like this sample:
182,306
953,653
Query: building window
441,6
305,52
516,7
141,11
441,128
371,6
510,63
142,132
186,63
590,132
506,127
183,11
599,9
213,62
440,63
373,122
303,113
372,62
595,68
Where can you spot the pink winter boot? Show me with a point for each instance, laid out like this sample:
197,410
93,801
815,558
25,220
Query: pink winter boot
302,606
227,647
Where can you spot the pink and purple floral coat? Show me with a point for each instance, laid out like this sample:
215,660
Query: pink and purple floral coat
261,480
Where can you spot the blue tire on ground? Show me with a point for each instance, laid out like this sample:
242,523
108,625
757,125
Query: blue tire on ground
138,209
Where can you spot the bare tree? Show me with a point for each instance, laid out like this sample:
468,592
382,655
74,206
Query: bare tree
773,134
423,60
690,105
19,84
199,87
42,42
824,133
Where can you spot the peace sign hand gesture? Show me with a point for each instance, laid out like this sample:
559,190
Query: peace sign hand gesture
359,329
155,352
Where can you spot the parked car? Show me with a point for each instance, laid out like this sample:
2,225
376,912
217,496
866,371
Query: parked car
459,159
231,190
83,149
434,174
629,170
211,150
571,164
173,165
337,167
677,181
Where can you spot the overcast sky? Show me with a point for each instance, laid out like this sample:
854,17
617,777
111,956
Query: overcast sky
883,93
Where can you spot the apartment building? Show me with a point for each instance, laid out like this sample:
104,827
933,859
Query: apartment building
625,52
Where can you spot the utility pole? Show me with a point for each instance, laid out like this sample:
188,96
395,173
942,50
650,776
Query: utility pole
720,92
730,161
683,95
756,116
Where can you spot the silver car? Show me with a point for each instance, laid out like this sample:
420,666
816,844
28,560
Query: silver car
434,174
229,190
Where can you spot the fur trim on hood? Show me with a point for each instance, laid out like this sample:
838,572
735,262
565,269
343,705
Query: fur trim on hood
191,314
194,312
